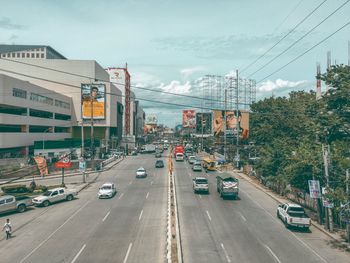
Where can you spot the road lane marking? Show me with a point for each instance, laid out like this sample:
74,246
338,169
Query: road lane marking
77,255
140,214
54,232
106,216
147,195
275,219
225,252
242,216
273,254
127,253
208,215
121,196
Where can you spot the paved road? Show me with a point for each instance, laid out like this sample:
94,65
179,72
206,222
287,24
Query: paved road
130,227
245,230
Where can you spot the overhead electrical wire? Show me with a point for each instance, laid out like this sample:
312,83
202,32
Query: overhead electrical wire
305,52
298,40
284,37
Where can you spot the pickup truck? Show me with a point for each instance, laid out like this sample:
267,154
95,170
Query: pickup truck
200,184
53,196
293,215
9,203
227,185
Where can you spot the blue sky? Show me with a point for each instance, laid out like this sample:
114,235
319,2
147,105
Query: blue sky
170,45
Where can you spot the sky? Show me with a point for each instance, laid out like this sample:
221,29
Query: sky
170,45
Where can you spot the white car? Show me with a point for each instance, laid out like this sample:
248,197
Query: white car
191,159
141,173
293,215
107,190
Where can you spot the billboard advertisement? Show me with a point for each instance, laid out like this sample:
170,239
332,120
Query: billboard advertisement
189,119
203,123
93,101
231,123
151,119
42,165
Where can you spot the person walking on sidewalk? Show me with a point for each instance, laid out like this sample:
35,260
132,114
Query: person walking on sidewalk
8,228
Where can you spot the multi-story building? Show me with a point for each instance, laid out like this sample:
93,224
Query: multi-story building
66,77
29,113
29,52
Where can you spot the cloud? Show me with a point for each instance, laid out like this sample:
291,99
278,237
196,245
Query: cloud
176,87
186,72
280,84
6,23
143,79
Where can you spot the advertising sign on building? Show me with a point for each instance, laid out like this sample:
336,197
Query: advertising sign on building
314,188
93,95
64,162
42,165
189,119
203,122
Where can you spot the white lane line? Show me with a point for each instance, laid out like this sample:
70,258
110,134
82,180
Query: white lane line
273,254
127,253
242,216
275,219
208,215
121,196
226,255
54,232
106,216
200,196
77,255
147,195
140,214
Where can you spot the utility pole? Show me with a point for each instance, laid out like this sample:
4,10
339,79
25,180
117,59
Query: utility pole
225,125
329,220
92,130
202,123
82,139
237,122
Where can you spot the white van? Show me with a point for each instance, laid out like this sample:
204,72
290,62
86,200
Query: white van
179,157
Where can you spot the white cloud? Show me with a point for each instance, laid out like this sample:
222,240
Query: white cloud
143,79
186,72
176,87
280,85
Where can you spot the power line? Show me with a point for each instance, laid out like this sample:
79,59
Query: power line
112,82
289,14
284,37
302,54
297,41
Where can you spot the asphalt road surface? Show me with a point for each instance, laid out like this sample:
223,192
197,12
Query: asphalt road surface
245,230
130,227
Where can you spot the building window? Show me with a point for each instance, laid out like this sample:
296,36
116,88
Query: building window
37,55
42,55
42,49
19,93
40,114
62,117
23,55
41,98
32,55
28,55
3,55
10,128
8,55
61,129
18,55
62,104
13,55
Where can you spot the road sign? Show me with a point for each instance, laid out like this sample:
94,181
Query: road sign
314,188
82,166
64,162
327,203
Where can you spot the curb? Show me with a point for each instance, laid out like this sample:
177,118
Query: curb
256,185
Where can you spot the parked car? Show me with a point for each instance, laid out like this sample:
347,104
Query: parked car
107,190
141,173
293,215
158,155
197,167
200,184
159,164
9,203
53,196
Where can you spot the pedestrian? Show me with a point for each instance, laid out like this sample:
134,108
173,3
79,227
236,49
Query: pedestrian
8,228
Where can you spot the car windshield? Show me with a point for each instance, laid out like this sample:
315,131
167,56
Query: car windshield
48,193
201,181
106,187
141,170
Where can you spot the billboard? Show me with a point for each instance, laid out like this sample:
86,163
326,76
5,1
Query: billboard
203,123
151,119
189,119
231,123
42,165
93,95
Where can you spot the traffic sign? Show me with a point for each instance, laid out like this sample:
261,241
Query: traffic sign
82,166
64,162
314,188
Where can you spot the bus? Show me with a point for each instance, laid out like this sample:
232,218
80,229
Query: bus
209,164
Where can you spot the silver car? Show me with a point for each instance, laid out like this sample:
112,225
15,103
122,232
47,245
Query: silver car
141,173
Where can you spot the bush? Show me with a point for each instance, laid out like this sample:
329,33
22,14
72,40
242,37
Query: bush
40,188
15,189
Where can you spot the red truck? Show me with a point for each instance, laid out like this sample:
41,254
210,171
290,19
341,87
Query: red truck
179,149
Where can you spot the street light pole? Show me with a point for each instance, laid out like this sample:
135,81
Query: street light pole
92,130
82,139
225,125
237,122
